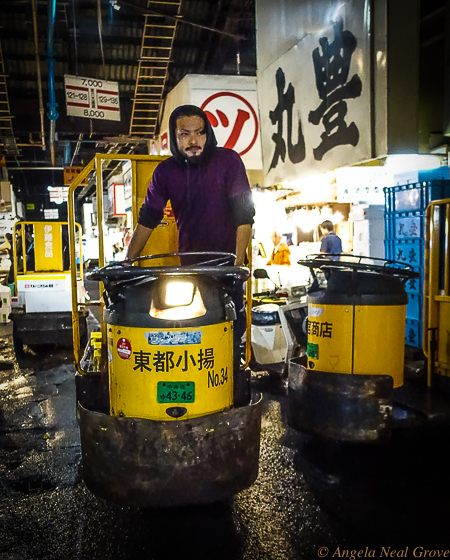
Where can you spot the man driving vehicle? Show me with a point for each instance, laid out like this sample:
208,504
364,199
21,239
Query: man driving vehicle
210,197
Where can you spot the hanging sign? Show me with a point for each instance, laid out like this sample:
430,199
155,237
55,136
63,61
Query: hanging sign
71,173
315,100
58,194
48,246
233,117
91,98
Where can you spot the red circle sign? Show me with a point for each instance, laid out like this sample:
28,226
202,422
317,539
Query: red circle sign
124,348
245,112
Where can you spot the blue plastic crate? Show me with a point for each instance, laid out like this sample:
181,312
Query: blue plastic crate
415,197
407,251
404,225
415,285
414,309
433,174
413,333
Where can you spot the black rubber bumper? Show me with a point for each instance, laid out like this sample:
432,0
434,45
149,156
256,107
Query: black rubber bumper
46,328
143,463
343,407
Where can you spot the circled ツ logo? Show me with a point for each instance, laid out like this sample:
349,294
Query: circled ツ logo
233,119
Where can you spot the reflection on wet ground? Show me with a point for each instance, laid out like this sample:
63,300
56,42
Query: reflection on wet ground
309,494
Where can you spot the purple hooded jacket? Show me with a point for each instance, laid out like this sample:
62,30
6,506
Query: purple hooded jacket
209,198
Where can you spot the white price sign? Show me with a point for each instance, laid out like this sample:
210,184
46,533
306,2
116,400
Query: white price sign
92,99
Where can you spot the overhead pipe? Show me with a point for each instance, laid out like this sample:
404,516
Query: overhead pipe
53,113
38,69
77,148
99,22
66,153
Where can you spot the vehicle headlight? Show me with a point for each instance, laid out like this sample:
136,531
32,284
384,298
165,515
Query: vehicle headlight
179,293
179,301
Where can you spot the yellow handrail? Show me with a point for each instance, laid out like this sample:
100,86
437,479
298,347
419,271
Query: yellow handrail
97,164
431,291
73,263
24,223
248,305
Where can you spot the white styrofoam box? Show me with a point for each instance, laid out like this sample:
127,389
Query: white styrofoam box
43,293
35,302
7,222
5,296
45,283
4,313
5,262
5,192
368,238
366,212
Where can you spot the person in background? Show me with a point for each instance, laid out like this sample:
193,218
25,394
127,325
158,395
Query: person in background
281,253
19,248
116,248
30,257
331,243
126,237
210,197
7,247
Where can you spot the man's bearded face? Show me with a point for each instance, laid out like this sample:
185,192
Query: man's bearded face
190,135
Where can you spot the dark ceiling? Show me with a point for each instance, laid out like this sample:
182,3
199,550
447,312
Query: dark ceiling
103,39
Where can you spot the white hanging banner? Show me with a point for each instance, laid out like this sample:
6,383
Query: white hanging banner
362,184
231,105
233,117
91,98
315,101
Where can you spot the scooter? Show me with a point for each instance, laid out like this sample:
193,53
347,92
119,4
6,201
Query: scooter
278,319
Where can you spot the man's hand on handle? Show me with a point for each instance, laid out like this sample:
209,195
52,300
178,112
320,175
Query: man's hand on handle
243,236
138,240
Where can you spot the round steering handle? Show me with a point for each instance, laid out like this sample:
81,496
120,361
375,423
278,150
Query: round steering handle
215,267
389,267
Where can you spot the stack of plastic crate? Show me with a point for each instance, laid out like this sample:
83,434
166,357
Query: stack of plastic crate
5,304
404,219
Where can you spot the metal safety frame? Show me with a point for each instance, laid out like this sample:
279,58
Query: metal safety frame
96,165
23,238
436,292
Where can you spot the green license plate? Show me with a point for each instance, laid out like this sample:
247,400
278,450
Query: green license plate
312,350
176,392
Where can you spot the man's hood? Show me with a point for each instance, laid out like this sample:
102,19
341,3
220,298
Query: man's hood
191,110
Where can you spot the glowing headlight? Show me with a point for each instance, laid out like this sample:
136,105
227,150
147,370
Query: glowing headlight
179,293
182,301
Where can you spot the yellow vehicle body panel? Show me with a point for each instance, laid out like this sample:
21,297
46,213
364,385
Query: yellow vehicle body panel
380,341
48,246
443,355
330,333
164,238
141,358
361,340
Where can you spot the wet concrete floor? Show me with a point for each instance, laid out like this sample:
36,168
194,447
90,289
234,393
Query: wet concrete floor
311,499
